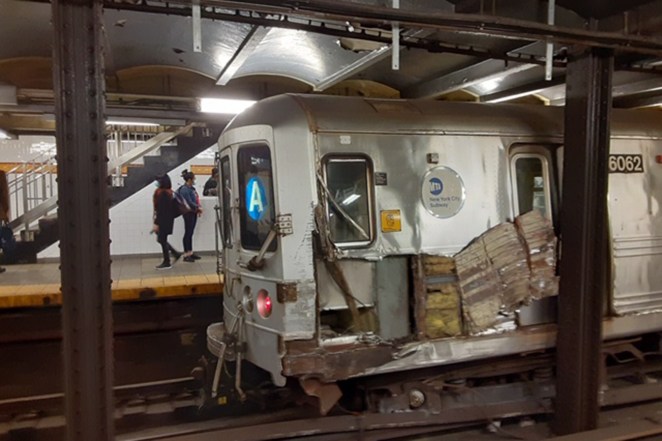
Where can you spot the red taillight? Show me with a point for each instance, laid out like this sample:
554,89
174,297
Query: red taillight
264,303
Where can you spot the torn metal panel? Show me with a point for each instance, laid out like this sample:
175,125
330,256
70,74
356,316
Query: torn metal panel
336,364
299,317
508,257
505,267
481,288
538,235
327,393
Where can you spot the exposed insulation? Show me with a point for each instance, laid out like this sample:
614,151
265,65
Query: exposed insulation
439,298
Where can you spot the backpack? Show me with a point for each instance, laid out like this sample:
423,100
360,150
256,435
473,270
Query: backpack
179,204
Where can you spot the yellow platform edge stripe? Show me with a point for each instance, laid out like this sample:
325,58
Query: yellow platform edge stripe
26,296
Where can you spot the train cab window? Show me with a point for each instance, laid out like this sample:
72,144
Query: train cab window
349,200
226,200
532,185
256,196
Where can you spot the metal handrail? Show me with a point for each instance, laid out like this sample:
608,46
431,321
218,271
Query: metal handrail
48,199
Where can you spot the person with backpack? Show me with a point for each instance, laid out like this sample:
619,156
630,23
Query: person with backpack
164,218
190,195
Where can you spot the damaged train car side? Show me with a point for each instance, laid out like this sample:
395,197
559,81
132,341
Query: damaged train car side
365,236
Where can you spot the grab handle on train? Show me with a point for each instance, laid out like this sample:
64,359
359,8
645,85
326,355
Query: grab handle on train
257,262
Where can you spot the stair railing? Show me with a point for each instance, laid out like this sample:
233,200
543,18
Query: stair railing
31,183
120,140
36,205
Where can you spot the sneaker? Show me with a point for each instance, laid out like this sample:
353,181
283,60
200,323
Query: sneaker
189,259
176,255
164,265
195,257
2,269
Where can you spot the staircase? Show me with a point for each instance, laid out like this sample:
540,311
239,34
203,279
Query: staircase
38,224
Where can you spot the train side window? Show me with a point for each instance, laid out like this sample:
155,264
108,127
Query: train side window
349,205
226,200
256,196
532,184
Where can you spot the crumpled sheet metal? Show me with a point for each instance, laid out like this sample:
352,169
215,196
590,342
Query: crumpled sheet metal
453,350
480,286
540,241
505,267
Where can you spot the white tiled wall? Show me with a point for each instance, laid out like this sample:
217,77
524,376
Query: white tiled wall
26,148
131,219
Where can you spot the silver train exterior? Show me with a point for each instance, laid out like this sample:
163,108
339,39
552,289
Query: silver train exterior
296,165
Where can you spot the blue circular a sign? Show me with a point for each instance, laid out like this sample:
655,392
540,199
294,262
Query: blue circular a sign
436,186
256,199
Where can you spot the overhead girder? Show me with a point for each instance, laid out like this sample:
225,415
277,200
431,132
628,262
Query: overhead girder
370,23
522,91
369,15
326,17
474,74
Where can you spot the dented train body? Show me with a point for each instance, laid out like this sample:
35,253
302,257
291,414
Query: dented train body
365,236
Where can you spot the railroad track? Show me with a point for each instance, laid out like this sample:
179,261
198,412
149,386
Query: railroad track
158,343
170,410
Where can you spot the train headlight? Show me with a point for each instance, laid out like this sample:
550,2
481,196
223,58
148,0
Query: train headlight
264,304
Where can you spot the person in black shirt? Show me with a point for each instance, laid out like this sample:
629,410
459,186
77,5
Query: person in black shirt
164,218
211,186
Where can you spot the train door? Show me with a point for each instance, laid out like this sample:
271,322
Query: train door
533,180
534,187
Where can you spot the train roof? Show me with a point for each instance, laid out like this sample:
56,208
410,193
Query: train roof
337,114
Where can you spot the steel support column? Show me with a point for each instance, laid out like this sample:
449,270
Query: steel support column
83,219
583,231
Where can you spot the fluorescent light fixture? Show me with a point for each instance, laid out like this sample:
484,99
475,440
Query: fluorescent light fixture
227,106
490,85
349,199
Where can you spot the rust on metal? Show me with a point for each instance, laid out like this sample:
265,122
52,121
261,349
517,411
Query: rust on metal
286,292
328,394
337,364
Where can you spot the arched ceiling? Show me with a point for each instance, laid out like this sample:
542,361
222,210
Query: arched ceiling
457,49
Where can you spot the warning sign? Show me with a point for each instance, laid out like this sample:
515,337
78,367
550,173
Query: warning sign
391,221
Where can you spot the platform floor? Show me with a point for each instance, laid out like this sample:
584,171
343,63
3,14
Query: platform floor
134,278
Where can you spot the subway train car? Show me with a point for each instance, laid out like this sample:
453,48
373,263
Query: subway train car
372,236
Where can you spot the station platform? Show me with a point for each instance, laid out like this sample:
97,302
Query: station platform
133,278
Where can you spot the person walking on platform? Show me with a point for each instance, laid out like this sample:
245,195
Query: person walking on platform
164,218
188,192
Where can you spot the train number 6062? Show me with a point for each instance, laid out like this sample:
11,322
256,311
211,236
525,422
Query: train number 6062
626,164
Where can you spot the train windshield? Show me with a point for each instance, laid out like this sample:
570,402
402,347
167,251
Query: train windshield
348,208
256,196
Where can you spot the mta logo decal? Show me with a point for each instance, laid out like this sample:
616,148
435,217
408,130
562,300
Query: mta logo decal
436,186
